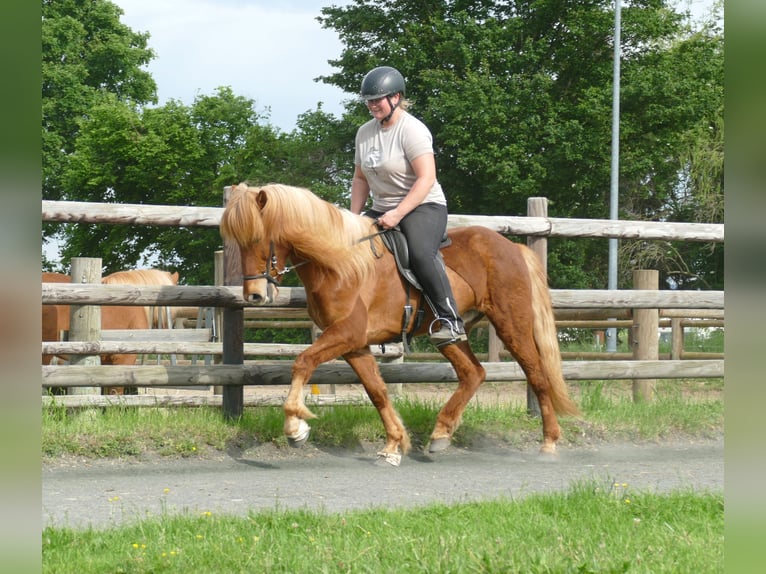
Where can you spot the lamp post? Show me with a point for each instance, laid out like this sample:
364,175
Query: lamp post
611,333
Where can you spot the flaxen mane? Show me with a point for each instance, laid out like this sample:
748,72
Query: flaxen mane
317,230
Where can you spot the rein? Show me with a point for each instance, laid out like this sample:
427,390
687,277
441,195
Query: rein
271,273
372,243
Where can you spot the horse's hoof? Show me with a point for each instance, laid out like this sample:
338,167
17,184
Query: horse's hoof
439,444
388,459
301,436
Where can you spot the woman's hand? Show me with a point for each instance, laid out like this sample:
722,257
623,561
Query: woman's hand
389,219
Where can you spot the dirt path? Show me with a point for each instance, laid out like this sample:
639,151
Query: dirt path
81,493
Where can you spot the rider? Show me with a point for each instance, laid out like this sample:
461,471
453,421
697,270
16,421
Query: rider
394,162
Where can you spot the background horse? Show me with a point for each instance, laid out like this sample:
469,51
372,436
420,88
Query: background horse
55,318
131,317
356,295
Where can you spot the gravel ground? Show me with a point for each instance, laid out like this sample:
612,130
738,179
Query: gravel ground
81,493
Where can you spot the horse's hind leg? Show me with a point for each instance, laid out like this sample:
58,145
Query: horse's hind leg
470,375
524,349
397,439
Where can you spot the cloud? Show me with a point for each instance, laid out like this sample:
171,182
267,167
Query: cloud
267,51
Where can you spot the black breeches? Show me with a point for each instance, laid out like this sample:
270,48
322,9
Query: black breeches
424,228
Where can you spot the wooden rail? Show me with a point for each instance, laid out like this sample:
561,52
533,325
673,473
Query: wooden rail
181,295
183,216
280,372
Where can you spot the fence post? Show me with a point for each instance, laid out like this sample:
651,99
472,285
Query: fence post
645,332
537,207
676,339
218,267
85,320
233,399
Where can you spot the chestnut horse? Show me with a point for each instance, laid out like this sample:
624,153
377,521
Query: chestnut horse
356,296
55,318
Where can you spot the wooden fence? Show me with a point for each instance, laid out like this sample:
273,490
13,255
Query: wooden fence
233,374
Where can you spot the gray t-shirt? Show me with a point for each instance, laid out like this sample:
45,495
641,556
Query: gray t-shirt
384,155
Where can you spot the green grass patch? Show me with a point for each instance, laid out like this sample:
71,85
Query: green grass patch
590,528
608,413
675,410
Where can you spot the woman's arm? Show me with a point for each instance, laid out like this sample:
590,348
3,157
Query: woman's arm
360,191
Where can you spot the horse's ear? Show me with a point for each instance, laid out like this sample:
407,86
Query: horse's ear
261,199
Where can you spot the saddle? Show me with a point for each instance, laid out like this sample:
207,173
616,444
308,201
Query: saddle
396,243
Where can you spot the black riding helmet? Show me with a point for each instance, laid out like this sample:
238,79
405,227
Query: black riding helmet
383,81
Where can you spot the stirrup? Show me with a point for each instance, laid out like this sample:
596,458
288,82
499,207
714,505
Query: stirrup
447,334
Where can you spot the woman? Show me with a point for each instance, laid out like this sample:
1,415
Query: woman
395,164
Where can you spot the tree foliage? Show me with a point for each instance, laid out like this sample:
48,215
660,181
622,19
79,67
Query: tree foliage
518,96
88,55
183,155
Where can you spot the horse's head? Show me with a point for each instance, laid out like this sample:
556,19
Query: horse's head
262,259
275,221
263,265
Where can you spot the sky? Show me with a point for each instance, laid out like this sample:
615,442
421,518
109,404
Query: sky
266,51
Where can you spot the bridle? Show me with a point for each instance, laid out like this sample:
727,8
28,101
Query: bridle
271,273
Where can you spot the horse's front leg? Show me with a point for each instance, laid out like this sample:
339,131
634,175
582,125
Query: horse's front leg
334,342
296,428
397,438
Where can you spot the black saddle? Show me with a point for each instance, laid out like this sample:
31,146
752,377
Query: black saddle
396,243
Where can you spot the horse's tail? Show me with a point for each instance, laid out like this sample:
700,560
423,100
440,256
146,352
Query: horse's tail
546,337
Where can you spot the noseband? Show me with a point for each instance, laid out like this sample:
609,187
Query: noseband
271,273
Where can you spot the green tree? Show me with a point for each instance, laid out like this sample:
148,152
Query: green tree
168,155
88,55
185,155
318,155
518,96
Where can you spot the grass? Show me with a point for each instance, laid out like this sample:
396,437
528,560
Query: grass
590,528
691,408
